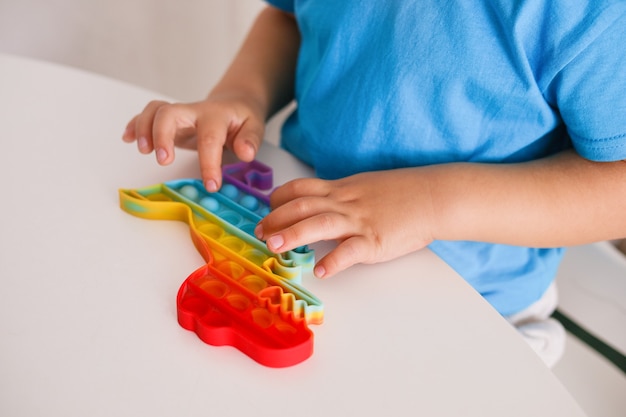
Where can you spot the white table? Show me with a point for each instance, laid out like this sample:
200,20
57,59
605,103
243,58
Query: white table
87,298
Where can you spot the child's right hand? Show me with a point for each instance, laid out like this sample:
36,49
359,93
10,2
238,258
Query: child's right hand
223,120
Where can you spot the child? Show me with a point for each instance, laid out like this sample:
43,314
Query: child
493,132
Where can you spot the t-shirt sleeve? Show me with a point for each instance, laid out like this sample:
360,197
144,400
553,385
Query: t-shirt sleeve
285,5
591,95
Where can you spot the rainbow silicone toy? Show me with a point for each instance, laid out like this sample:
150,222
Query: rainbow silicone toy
245,296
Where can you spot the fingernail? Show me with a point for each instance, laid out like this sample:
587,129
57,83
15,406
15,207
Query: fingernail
211,186
161,155
142,143
258,231
319,271
250,146
275,243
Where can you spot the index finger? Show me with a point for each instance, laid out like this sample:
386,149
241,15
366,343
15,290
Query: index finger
302,187
211,137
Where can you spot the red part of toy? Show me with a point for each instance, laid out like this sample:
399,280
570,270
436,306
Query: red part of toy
222,312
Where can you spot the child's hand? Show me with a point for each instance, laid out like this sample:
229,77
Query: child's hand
209,125
374,216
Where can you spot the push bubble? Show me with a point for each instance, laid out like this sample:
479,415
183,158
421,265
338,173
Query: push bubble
210,204
229,191
249,202
189,191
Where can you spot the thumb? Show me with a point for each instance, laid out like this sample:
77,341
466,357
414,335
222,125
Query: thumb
248,140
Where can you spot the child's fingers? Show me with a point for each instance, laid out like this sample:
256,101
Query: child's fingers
293,212
248,140
211,137
320,227
302,187
168,120
129,135
350,252
144,124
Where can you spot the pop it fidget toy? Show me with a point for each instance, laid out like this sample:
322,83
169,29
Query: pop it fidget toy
245,296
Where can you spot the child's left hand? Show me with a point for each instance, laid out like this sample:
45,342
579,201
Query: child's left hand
375,216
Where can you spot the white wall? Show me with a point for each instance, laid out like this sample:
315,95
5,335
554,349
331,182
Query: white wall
178,48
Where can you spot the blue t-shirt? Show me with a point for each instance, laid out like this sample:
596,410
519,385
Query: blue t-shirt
400,83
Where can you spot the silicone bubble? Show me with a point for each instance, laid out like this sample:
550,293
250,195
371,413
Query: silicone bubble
244,295
229,191
249,202
190,192
210,203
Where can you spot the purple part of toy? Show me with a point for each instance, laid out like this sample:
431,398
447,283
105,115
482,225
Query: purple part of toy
250,177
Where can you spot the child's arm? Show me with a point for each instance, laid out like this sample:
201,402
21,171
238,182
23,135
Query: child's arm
256,85
557,201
